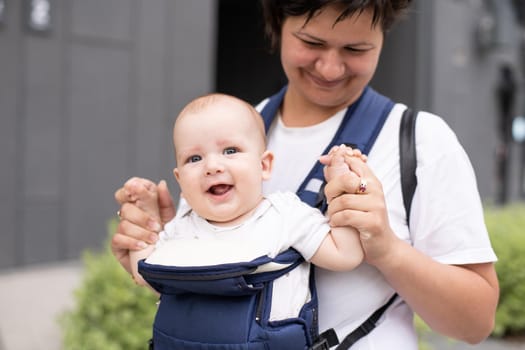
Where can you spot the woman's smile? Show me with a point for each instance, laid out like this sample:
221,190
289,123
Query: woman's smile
324,83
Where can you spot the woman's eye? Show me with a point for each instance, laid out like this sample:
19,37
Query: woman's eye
355,50
194,159
312,43
230,150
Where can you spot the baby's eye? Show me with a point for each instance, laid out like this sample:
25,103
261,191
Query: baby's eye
194,159
230,150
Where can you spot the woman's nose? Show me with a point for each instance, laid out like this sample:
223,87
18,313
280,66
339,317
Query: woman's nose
330,65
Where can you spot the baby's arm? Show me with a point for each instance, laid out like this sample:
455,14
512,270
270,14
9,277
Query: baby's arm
341,249
145,196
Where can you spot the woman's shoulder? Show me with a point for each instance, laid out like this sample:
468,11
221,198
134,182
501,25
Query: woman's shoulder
431,129
430,126
434,138
426,121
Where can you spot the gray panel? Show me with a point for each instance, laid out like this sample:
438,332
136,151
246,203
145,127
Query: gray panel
9,130
40,224
99,136
42,118
193,49
104,19
41,241
464,84
153,121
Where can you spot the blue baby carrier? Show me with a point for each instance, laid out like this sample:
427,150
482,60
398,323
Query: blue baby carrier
227,306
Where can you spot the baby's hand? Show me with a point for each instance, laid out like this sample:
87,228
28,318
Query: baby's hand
334,161
144,194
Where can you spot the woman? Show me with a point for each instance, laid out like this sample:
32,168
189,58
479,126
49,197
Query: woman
442,268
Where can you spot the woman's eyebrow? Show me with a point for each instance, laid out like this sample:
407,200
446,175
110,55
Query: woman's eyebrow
303,35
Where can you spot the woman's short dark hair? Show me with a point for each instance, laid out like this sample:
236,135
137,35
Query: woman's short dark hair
384,12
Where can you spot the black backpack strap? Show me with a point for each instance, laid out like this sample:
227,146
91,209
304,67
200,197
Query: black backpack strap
408,158
329,338
365,327
408,165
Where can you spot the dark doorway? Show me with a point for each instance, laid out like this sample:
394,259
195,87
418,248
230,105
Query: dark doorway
245,68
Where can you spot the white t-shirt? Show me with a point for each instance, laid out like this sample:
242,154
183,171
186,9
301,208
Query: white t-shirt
281,221
446,222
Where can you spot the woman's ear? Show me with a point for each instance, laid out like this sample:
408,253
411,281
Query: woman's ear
266,164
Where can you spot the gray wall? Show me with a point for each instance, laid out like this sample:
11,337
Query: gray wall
85,106
465,80
432,62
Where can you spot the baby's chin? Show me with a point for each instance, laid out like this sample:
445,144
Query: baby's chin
225,221
226,217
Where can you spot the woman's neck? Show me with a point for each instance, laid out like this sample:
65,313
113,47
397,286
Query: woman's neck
298,112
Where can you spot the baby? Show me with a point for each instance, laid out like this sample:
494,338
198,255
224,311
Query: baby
223,217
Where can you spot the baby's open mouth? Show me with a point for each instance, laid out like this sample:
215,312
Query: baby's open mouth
219,189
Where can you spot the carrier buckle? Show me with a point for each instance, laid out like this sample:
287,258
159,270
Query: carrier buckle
321,344
325,341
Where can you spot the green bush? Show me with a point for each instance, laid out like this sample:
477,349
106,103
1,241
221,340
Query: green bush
506,227
110,312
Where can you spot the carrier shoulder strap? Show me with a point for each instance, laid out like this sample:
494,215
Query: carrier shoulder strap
359,128
408,165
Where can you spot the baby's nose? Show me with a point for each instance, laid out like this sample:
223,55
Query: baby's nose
213,165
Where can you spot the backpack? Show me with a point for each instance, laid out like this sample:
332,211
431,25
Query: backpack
227,306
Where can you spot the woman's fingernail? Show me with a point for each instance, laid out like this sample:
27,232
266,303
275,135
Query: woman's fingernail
153,238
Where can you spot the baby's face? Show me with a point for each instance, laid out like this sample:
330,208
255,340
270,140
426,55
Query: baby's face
221,161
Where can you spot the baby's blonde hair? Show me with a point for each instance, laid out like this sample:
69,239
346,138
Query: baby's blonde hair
202,102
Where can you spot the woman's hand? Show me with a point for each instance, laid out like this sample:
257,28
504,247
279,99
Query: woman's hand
358,201
136,228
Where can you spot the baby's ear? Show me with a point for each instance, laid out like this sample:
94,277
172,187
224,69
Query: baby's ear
266,164
176,174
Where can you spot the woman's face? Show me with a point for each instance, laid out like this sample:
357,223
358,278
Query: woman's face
329,65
